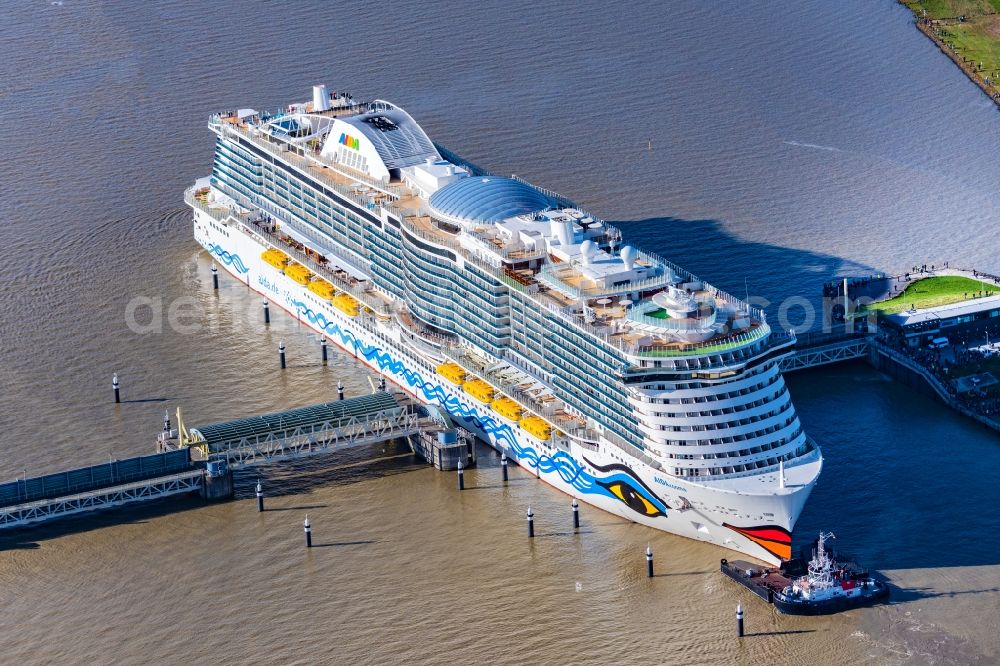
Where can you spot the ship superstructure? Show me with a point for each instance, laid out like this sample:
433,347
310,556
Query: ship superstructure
610,372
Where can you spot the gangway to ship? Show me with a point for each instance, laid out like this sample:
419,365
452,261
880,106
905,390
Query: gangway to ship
814,350
112,484
201,460
324,428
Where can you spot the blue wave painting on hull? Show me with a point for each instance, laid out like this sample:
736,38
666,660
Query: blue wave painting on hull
560,462
228,259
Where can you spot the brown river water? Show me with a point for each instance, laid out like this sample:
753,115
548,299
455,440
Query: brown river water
789,146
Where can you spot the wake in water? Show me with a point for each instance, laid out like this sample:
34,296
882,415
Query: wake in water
813,145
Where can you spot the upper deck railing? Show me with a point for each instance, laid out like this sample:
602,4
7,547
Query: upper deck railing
651,258
566,202
701,348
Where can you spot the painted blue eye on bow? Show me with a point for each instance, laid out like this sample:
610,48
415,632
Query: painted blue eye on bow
629,489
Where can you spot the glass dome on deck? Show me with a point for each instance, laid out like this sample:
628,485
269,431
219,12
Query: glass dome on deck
482,199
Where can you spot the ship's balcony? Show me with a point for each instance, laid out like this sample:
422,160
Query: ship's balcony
340,279
696,442
647,408
801,469
546,407
434,338
423,227
717,417
737,463
529,393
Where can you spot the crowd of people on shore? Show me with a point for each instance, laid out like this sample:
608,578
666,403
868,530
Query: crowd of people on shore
938,30
939,362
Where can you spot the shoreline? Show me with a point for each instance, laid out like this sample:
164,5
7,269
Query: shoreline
928,27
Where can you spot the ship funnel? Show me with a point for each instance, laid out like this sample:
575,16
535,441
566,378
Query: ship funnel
587,249
628,255
563,230
321,98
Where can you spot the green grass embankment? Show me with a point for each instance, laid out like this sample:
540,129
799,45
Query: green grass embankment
933,292
969,32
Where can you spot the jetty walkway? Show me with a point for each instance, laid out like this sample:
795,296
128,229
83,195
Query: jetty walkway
201,460
815,349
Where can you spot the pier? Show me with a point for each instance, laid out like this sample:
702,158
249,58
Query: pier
814,350
203,459
325,428
113,484
319,428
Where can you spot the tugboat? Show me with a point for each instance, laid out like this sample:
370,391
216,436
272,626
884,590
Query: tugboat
828,586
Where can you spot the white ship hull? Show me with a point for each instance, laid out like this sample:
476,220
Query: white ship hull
603,475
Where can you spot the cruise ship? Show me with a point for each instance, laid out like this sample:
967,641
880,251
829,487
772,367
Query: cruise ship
607,371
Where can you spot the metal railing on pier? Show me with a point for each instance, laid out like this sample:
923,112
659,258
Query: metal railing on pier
118,495
826,349
322,438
